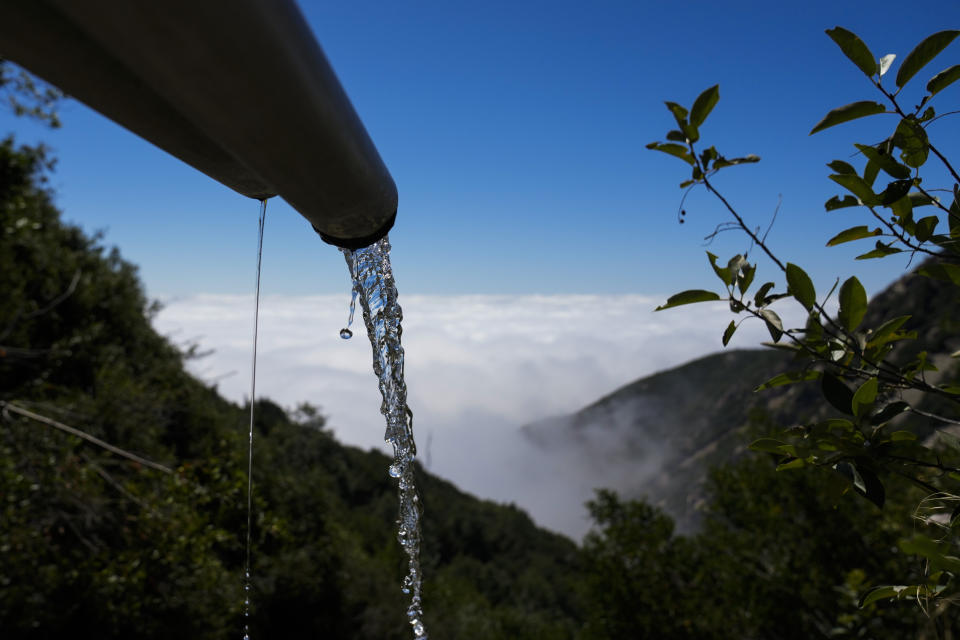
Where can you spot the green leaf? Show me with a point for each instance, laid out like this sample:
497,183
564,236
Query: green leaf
688,297
880,251
925,228
760,298
889,412
857,186
884,161
912,138
837,393
836,203
676,136
791,377
724,162
874,491
704,104
767,445
943,79
933,551
774,325
839,166
853,233
673,149
886,592
923,53
882,333
728,332
722,272
848,112
864,397
745,278
850,472
902,436
895,190
796,463
853,303
855,49
679,113
942,271
800,286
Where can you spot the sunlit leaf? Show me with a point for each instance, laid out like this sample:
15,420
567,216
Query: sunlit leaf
855,49
923,53
886,61
849,112
774,324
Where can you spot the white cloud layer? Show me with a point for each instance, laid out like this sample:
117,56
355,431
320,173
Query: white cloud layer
477,367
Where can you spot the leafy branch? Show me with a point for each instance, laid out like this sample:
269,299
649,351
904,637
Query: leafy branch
854,363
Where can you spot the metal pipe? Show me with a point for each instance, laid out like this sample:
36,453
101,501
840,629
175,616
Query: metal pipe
239,89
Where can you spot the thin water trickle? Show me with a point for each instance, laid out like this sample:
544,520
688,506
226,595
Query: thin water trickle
345,333
373,281
253,389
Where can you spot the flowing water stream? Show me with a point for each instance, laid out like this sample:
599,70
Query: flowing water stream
373,283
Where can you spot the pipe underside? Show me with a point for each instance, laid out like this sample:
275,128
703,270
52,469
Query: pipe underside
238,89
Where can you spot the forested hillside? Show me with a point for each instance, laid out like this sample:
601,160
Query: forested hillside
94,544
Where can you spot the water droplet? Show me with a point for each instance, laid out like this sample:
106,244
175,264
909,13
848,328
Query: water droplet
394,471
418,629
346,334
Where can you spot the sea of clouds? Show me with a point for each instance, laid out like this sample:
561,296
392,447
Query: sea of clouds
478,367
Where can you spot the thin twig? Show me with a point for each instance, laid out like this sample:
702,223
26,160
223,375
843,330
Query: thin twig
9,407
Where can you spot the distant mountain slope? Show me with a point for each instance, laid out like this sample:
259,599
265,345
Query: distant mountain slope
658,436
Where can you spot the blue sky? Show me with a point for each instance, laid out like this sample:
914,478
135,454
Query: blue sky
515,132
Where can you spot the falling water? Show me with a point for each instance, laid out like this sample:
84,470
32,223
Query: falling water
373,282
